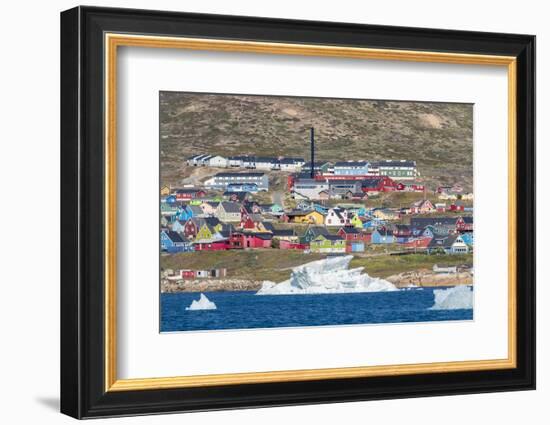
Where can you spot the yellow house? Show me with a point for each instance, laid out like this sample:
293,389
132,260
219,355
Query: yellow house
165,190
305,217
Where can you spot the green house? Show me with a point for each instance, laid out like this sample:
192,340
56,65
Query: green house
205,232
356,222
328,244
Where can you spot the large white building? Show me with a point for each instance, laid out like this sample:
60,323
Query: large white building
398,170
310,189
222,180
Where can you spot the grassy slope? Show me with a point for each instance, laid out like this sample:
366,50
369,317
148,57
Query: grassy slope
274,264
437,135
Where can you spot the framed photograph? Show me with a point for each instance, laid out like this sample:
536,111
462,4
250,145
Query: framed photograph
261,212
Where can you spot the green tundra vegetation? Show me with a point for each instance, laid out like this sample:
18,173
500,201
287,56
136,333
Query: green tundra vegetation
276,265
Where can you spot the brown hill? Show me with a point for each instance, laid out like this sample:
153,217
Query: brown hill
436,135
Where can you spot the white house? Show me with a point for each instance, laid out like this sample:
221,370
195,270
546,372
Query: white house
337,217
291,164
218,161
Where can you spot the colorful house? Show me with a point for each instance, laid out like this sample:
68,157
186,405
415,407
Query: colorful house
385,214
356,221
383,236
205,232
169,208
350,233
418,243
450,244
402,233
328,244
284,244
211,244
337,217
312,232
209,207
187,194
423,206
229,211
468,238
355,246
465,224
173,242
304,217
456,206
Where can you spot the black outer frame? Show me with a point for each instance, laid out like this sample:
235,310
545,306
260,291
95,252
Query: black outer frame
82,206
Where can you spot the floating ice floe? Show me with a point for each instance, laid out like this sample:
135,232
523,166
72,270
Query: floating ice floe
202,303
327,276
455,298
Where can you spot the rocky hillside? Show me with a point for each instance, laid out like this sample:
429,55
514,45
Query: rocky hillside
437,135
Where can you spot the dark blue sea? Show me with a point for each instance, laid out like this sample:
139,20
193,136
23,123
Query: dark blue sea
245,310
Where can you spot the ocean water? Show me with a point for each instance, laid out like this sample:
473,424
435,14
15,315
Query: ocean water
245,310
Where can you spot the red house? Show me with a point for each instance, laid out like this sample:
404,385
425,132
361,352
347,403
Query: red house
242,240
465,224
211,245
187,274
284,244
350,233
191,228
257,240
418,243
186,194
456,207
378,184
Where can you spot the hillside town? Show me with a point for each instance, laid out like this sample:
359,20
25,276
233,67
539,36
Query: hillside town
349,206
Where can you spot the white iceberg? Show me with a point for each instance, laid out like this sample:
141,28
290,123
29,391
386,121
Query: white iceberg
202,303
327,276
455,298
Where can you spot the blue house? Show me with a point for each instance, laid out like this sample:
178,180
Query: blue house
468,238
173,242
380,236
186,212
171,199
373,224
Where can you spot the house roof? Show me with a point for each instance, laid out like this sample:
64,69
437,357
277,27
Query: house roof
433,221
291,160
283,232
395,163
195,209
188,190
351,164
239,175
296,213
211,221
268,159
174,236
468,220
230,207
260,235
239,195
350,230
384,232
443,242
268,226
331,237
372,183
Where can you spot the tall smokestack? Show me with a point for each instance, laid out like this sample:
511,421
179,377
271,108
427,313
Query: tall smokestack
312,138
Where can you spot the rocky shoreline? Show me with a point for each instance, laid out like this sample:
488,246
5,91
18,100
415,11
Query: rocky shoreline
427,278
208,285
422,278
